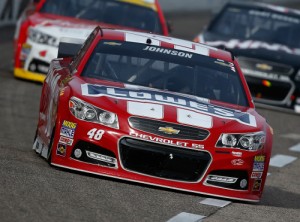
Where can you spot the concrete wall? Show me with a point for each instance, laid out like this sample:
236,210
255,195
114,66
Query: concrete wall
10,10
207,5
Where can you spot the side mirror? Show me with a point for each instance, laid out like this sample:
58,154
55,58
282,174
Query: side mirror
170,26
68,47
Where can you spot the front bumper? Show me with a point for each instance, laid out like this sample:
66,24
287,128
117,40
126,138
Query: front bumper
33,76
119,155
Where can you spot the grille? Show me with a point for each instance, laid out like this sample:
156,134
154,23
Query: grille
265,66
277,91
152,126
163,161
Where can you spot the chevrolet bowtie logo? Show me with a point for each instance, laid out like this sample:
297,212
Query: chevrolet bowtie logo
264,67
168,130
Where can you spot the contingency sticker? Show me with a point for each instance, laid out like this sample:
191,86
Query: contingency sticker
61,149
256,175
66,140
68,129
258,166
256,185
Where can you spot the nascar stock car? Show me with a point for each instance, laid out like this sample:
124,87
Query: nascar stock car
155,110
41,26
265,39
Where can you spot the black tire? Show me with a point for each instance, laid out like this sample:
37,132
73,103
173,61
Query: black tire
49,154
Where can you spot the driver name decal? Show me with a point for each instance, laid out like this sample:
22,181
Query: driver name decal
168,51
92,90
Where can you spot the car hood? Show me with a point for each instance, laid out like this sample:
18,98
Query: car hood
60,26
255,49
128,100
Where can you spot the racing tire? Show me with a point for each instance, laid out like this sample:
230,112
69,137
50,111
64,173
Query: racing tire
49,154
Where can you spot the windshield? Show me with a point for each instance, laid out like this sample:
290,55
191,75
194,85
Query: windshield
267,26
166,69
108,11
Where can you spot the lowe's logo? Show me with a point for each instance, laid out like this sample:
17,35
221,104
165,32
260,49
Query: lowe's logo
144,94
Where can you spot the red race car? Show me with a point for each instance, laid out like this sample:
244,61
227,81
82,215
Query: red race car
45,22
155,110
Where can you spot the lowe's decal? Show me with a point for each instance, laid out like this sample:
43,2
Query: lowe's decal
144,94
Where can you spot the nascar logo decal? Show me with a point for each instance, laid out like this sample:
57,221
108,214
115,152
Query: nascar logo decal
167,98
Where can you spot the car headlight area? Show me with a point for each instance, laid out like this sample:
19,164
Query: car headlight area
250,141
42,38
87,112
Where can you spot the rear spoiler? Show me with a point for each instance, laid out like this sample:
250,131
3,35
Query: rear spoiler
68,47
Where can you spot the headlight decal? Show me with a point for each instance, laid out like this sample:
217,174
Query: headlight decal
42,38
249,141
87,112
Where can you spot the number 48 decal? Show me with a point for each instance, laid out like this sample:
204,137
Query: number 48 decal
95,134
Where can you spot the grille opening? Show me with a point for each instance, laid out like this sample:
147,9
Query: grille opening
152,126
163,161
88,148
239,174
278,91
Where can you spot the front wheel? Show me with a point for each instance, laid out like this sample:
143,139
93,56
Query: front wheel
49,154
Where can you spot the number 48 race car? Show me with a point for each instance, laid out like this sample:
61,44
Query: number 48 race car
155,110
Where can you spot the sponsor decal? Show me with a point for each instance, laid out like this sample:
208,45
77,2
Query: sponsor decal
61,149
259,158
237,162
178,44
167,141
66,140
67,132
69,124
68,129
221,179
256,185
25,51
168,51
256,175
258,166
228,64
52,81
237,154
170,99
250,44
62,92
285,18
112,43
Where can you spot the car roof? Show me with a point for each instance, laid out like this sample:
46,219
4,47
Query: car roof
270,7
165,42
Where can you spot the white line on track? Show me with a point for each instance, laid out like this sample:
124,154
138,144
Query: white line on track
291,136
215,202
281,160
295,148
186,217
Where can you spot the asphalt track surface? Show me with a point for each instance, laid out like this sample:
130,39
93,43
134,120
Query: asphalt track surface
31,190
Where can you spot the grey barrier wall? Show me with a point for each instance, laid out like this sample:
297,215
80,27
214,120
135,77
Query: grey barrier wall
170,6
10,10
